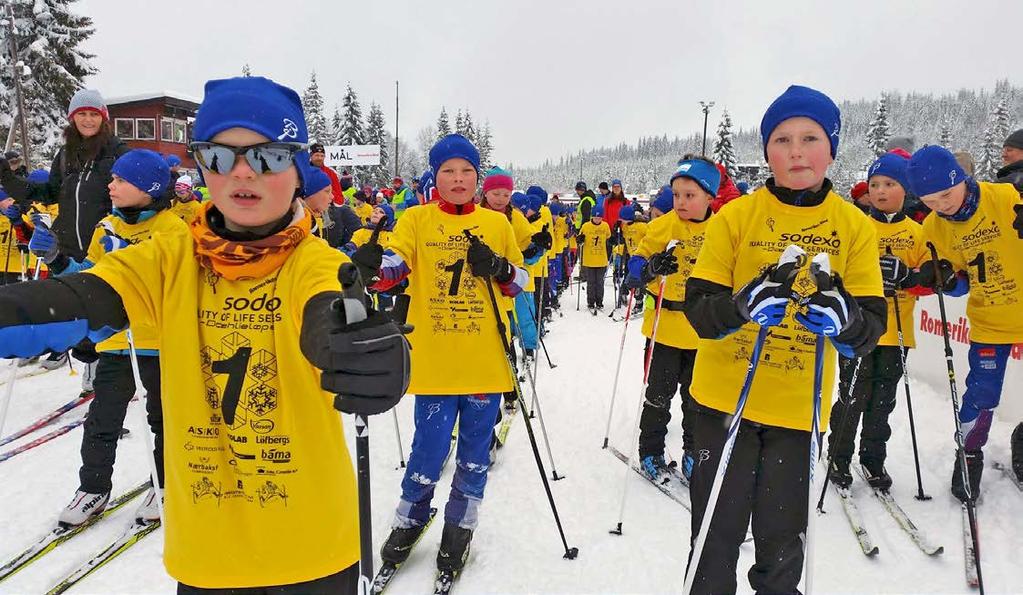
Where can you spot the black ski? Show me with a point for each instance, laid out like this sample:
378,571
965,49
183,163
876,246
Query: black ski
676,490
444,582
388,569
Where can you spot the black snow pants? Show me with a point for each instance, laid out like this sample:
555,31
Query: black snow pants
594,286
115,386
671,371
345,582
873,397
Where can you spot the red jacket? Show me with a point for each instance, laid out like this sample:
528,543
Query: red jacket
611,208
726,191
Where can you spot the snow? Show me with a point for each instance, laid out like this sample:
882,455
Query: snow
517,548
154,95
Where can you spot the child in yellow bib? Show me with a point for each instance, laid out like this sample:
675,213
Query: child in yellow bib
593,236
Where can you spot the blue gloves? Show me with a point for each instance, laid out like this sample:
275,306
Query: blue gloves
43,243
764,299
12,212
830,310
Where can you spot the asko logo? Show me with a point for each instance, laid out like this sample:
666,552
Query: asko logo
263,302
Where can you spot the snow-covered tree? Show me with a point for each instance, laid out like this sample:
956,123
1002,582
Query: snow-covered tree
945,135
336,123
376,135
246,70
724,152
460,123
469,128
425,139
351,132
48,35
316,121
878,131
1000,120
990,156
443,126
485,144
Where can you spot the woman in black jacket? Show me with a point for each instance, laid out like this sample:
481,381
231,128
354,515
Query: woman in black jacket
78,176
78,183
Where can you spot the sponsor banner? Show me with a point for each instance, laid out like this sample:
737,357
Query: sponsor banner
927,361
349,155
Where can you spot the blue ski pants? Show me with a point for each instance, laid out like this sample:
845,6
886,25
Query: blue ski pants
525,324
983,391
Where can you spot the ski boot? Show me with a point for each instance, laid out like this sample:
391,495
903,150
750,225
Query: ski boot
83,506
1017,452
454,549
653,467
840,475
149,511
54,361
876,475
399,544
510,401
688,462
974,468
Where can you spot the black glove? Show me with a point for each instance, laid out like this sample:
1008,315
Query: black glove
580,240
484,263
366,364
1017,223
368,258
543,239
831,311
662,263
943,275
894,273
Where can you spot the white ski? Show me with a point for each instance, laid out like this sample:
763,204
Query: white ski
900,516
1007,472
852,513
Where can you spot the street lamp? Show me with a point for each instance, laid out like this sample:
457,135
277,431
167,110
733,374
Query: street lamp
705,106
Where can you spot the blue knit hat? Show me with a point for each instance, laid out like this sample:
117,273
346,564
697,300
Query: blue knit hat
257,104
539,192
891,165
535,202
665,200
3,193
701,172
933,169
520,201
315,180
172,160
742,186
803,101
452,146
627,213
616,182
556,209
39,176
388,212
143,169
597,211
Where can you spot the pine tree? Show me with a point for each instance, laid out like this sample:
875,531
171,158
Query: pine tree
1000,120
990,156
945,135
48,36
486,146
246,71
878,132
724,152
468,128
316,121
460,124
443,126
335,126
350,132
376,135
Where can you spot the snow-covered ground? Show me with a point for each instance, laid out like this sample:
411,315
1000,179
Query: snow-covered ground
517,548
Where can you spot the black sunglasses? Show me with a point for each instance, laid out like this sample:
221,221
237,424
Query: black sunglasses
262,158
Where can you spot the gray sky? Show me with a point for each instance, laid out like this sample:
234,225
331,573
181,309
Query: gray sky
554,76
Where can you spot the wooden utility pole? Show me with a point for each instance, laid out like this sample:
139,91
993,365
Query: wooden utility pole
17,68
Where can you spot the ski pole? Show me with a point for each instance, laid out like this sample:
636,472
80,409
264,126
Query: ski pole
543,426
634,445
840,434
539,337
970,504
10,248
397,436
820,272
920,495
618,368
796,257
8,394
142,395
570,552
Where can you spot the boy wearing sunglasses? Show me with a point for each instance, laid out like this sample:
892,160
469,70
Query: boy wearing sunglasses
260,489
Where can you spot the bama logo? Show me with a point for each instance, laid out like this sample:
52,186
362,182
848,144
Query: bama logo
263,302
275,455
811,239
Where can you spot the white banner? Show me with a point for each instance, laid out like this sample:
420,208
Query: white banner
927,361
347,155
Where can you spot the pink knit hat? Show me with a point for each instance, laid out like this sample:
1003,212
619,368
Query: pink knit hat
497,178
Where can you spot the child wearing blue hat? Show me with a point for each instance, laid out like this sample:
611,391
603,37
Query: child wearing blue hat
449,250
728,298
669,249
245,307
977,229
593,237
317,196
901,250
138,193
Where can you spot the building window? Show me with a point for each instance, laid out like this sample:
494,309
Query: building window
167,130
145,128
124,128
179,132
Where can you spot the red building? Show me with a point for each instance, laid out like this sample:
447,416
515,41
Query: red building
161,122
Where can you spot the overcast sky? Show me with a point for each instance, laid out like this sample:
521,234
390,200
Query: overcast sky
555,76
